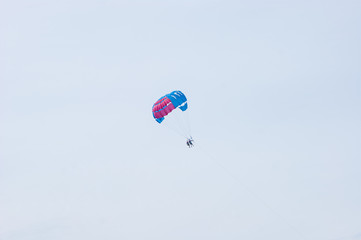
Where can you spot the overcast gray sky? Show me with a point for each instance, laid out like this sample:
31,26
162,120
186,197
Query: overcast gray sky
274,97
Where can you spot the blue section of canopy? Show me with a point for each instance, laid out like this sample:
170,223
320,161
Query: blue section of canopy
178,99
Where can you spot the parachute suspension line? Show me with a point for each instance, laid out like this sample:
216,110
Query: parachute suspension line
181,122
175,128
254,194
179,118
177,132
188,124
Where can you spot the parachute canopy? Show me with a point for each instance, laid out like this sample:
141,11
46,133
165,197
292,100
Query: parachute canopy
167,104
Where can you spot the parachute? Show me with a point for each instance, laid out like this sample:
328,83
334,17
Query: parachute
167,104
166,107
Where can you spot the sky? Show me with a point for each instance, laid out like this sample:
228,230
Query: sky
274,97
